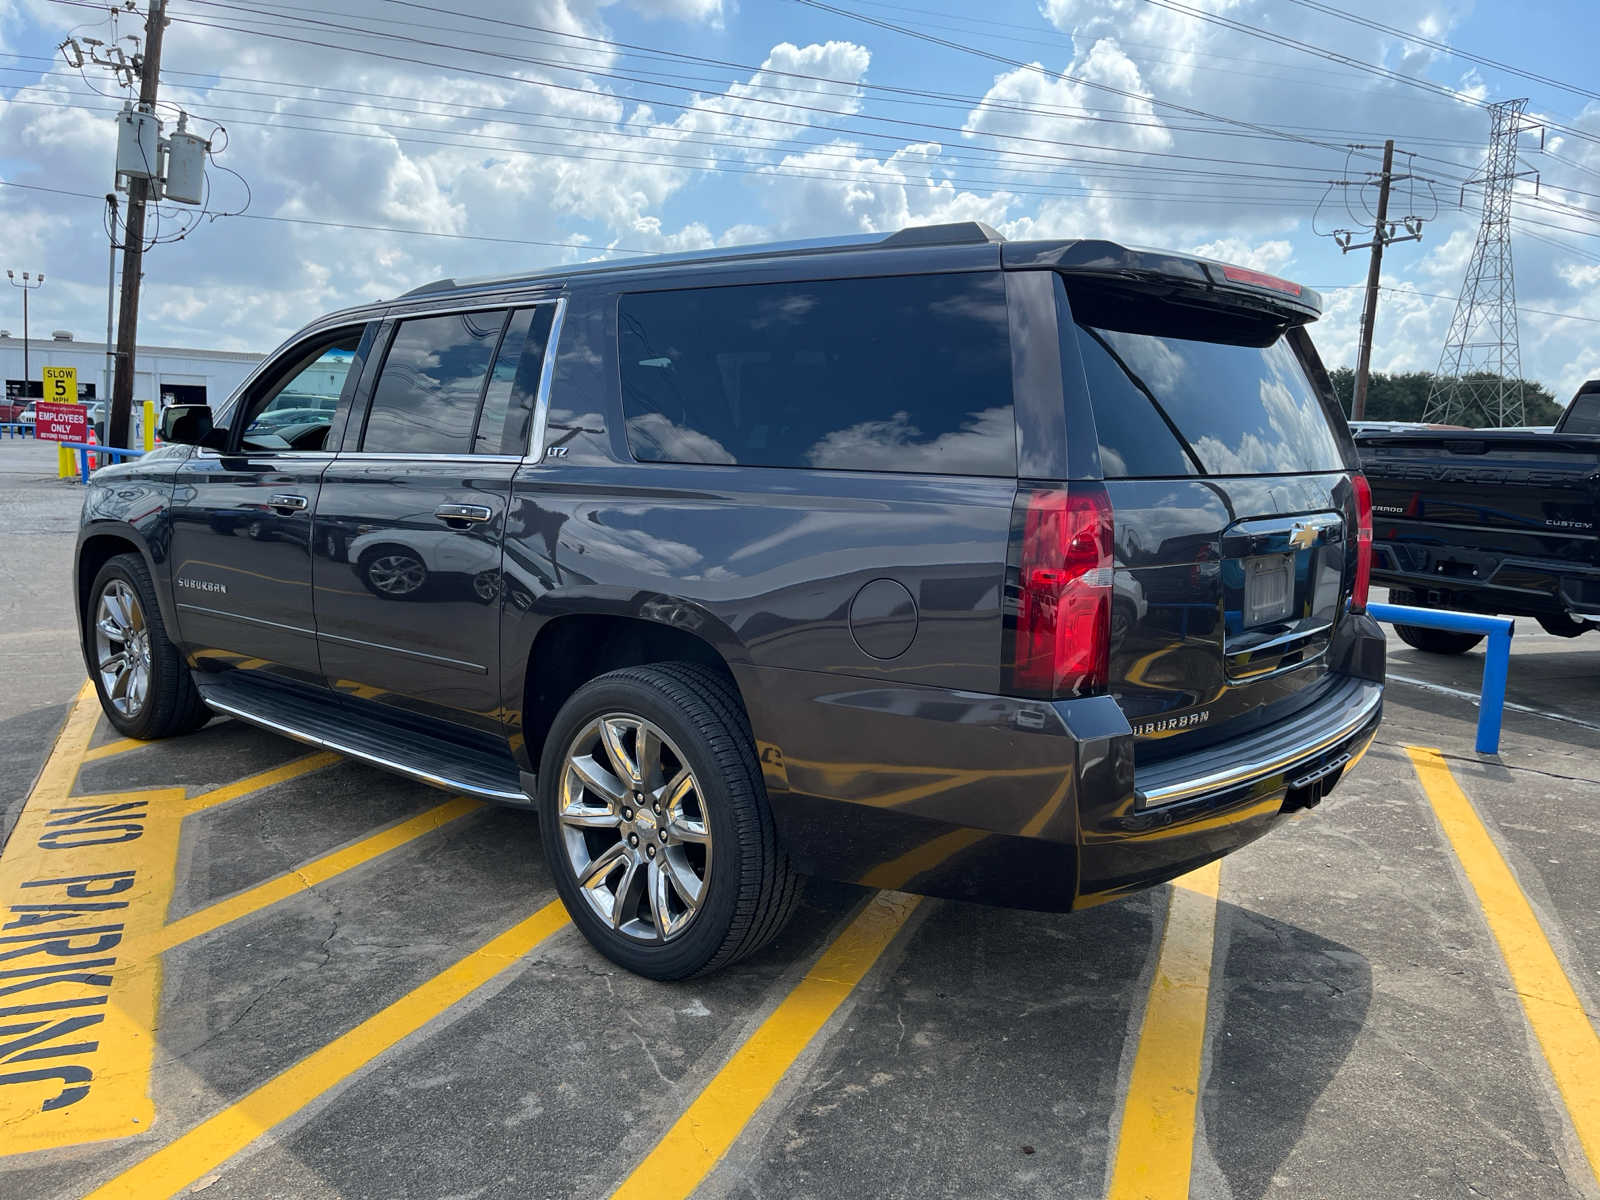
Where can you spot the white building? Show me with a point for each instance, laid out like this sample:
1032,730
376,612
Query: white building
165,374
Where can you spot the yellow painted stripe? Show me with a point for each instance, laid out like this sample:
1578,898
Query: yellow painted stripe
261,779
211,1143
1155,1144
702,1135
120,746
1565,1033
319,870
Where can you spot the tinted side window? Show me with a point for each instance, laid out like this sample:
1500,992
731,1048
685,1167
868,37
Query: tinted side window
897,374
426,400
504,425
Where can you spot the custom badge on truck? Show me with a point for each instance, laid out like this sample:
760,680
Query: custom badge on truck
204,585
1172,724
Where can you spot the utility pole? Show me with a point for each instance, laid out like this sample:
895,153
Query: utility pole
1383,233
27,286
1369,310
119,413
111,299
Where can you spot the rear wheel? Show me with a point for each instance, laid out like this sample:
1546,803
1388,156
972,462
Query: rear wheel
1434,641
144,685
656,825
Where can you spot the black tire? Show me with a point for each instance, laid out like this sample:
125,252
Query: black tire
171,704
1437,641
751,889
1562,625
1433,641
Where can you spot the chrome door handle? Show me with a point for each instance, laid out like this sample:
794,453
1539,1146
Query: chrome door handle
476,513
292,503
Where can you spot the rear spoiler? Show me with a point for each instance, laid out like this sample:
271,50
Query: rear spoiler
1224,284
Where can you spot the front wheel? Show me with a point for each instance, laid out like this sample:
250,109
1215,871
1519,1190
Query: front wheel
655,822
144,685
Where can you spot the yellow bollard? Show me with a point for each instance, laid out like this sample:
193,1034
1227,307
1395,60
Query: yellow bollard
66,464
149,425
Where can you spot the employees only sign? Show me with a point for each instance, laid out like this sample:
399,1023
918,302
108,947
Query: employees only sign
61,422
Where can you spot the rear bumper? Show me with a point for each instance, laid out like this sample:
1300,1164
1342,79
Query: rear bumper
1490,582
1033,804
1187,811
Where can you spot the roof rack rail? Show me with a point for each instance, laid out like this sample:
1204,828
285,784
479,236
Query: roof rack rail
957,233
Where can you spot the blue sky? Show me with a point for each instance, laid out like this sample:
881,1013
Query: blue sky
567,128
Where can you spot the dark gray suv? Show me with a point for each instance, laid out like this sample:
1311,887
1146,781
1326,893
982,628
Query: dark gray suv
1021,572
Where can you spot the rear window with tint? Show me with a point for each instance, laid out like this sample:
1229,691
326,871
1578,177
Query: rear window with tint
1584,415
1181,392
894,374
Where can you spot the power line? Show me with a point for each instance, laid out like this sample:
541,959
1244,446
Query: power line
1417,39
1427,85
465,237
719,112
1060,75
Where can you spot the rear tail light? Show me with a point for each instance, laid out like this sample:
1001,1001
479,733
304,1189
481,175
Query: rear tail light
1363,580
1061,641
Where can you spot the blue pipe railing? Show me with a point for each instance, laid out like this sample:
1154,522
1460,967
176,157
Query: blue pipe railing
84,449
1496,662
16,429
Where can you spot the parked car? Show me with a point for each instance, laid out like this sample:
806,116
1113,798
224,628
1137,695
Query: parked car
29,416
1493,521
1023,572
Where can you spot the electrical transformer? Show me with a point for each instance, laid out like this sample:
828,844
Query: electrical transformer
138,140
186,167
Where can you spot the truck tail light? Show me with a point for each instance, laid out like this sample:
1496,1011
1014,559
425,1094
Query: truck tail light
1363,580
1061,636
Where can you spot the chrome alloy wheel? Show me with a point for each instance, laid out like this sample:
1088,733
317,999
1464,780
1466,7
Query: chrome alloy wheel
122,647
635,827
396,574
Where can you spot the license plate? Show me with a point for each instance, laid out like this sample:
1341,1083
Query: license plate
1268,588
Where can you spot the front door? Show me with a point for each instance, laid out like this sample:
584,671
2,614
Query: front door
411,514
241,516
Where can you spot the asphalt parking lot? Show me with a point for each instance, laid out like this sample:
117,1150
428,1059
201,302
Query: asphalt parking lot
234,967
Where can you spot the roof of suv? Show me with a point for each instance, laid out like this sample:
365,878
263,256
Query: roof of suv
1079,256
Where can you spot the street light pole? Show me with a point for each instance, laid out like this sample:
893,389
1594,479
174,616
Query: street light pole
26,286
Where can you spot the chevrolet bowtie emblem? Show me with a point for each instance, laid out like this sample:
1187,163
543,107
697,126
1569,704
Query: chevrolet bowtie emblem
1303,537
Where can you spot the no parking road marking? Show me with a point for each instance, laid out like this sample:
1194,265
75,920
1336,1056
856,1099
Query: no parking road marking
85,882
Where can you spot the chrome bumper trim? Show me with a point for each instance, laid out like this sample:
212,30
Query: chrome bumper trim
1259,768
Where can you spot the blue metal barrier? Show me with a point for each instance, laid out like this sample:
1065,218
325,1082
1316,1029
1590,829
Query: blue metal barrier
1496,662
16,429
84,449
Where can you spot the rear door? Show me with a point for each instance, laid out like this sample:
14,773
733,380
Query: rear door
1234,510
411,516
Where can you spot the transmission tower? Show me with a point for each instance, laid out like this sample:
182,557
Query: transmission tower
1479,381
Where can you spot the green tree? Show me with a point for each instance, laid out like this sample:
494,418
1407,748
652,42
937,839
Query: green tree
1404,397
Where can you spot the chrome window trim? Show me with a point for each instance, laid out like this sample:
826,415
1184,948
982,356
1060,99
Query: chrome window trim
547,371
381,456
487,305
297,455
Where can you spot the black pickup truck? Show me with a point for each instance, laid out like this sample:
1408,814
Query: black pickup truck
1491,521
